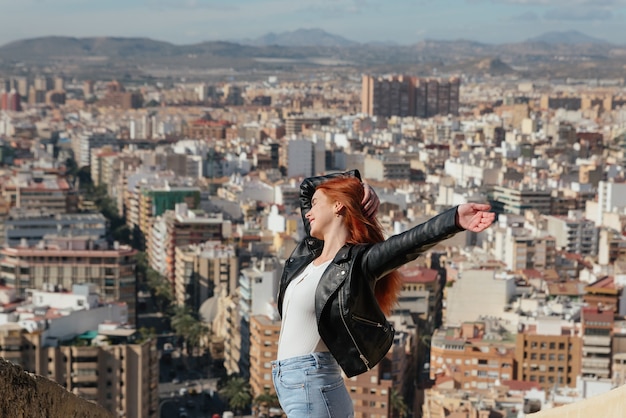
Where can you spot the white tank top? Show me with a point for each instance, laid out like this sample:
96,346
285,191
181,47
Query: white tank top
298,330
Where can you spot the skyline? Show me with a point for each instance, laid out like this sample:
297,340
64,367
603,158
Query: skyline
404,21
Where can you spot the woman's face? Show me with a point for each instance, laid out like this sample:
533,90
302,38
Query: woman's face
321,214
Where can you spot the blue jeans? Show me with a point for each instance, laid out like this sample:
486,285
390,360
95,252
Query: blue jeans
311,386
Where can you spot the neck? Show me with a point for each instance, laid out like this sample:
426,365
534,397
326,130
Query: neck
332,244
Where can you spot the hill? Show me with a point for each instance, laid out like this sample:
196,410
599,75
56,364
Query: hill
569,54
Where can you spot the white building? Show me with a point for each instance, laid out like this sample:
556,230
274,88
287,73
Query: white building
611,198
478,293
300,158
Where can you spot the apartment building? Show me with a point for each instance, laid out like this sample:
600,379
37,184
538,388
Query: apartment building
63,262
257,289
478,292
230,333
102,160
84,143
402,95
206,129
38,190
611,197
148,195
84,346
548,354
518,200
264,334
371,393
178,228
422,295
154,202
30,227
204,270
475,355
520,249
596,350
573,233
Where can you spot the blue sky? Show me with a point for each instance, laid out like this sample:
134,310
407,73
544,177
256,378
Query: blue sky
402,21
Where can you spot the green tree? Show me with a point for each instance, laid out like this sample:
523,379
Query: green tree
160,287
146,333
142,266
186,324
236,391
398,407
264,401
71,170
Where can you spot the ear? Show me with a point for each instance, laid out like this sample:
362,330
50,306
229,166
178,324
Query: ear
338,207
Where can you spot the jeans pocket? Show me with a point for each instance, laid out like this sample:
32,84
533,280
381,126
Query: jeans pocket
291,380
338,401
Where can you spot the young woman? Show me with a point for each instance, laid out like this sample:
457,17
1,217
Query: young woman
337,287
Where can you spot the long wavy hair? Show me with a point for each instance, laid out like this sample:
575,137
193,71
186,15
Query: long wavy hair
349,191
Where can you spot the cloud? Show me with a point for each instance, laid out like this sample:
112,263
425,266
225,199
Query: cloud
578,14
562,3
336,8
192,4
525,17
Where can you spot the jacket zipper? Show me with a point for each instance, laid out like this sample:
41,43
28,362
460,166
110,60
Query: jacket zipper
369,322
361,355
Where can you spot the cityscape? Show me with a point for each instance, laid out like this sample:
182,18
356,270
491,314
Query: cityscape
147,212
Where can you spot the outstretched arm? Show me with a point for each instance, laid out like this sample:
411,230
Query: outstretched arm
383,257
474,217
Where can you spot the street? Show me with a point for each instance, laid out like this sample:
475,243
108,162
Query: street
186,388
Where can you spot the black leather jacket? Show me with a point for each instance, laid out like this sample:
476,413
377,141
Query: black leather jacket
349,319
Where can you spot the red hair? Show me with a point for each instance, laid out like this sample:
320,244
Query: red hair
349,191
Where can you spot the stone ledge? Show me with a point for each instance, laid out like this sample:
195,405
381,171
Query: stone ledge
26,395
607,405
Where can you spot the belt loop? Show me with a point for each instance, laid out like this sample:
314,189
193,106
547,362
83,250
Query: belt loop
317,360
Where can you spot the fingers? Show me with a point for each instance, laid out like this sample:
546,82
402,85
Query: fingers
480,206
370,201
367,191
482,221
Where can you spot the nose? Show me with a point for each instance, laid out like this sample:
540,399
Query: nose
308,215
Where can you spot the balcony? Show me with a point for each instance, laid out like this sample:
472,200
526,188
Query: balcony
588,350
597,341
607,405
596,362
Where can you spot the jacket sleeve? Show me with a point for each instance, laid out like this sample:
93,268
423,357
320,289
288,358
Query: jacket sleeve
307,189
384,257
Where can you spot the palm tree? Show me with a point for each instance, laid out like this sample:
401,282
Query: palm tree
160,287
398,407
265,401
236,391
187,325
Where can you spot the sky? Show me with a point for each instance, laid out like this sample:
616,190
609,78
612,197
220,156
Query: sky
402,21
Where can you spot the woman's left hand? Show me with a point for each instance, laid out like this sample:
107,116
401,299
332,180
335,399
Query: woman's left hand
474,217
370,201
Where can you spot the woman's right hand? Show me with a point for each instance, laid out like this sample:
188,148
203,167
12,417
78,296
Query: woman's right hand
474,216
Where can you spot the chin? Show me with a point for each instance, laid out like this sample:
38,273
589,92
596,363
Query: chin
314,234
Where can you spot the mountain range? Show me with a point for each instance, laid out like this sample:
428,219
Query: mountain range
551,55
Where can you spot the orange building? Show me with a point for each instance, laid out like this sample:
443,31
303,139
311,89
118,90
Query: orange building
472,355
207,129
371,393
264,333
549,354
